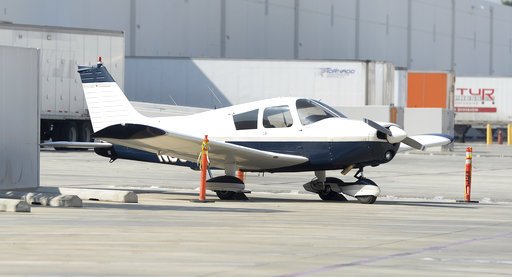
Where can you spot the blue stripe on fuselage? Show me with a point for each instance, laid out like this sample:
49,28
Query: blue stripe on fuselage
321,155
327,155
123,152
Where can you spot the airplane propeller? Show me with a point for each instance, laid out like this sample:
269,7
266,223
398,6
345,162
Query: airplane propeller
395,134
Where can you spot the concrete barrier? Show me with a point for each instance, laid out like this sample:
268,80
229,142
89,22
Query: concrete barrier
43,198
122,196
14,205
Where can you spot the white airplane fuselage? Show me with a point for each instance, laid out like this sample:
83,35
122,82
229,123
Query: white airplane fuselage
331,143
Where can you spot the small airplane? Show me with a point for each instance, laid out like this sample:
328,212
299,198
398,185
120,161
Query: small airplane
288,134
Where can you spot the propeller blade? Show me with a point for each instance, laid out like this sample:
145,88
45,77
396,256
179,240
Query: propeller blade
378,127
413,143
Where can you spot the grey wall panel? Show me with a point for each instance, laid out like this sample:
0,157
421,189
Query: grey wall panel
178,28
259,29
327,29
262,29
95,14
19,118
160,81
431,35
472,38
383,31
502,42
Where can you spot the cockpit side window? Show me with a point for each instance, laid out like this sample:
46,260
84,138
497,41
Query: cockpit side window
246,121
311,111
277,117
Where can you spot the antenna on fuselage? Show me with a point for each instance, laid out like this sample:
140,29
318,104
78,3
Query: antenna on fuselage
176,104
214,95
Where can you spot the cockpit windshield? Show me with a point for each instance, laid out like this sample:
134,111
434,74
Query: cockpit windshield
311,111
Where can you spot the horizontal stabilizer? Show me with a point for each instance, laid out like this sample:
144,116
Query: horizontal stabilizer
76,144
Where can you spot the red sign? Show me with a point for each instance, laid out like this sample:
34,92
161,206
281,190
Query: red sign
474,110
471,100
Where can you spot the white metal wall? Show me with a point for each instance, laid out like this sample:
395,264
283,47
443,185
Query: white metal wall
19,117
472,37
218,83
61,52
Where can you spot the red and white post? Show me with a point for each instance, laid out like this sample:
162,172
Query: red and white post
468,172
240,175
469,168
203,166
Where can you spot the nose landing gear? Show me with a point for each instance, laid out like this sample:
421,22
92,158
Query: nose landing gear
331,189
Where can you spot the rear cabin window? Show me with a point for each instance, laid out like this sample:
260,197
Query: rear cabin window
277,117
246,121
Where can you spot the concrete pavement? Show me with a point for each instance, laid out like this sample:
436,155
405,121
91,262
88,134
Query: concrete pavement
414,228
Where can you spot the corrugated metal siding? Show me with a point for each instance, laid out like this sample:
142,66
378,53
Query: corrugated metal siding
471,37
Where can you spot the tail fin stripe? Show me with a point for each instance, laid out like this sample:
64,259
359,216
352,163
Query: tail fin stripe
106,102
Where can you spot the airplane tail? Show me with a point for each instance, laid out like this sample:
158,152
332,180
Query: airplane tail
106,101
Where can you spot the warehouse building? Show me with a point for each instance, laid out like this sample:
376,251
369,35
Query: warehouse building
471,37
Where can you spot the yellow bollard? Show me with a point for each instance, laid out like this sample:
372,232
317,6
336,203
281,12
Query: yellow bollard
509,134
489,134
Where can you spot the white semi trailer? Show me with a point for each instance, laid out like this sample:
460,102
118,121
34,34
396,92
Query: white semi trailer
64,114
214,83
480,101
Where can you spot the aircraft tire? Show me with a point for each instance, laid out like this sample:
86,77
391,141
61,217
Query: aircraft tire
330,195
327,195
225,195
366,199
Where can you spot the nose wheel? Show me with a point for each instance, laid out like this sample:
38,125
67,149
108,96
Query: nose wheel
368,185
366,199
331,189
328,190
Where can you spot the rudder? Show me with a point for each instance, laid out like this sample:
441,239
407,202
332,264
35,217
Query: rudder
106,101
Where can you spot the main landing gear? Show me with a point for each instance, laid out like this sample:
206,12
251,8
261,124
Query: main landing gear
227,187
331,189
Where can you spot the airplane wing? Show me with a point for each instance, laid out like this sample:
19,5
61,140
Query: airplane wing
188,147
427,141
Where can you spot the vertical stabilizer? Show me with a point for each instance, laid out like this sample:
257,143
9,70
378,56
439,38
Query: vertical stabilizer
106,101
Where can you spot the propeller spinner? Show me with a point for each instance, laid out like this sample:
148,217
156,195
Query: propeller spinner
395,134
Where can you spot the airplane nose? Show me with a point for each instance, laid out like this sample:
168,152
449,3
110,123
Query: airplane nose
394,134
397,135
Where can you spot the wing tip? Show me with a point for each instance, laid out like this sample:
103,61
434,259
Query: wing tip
449,137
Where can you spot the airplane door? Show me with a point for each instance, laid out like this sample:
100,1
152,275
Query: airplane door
277,127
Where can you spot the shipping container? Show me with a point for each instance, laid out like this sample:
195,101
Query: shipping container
64,114
430,89
213,83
